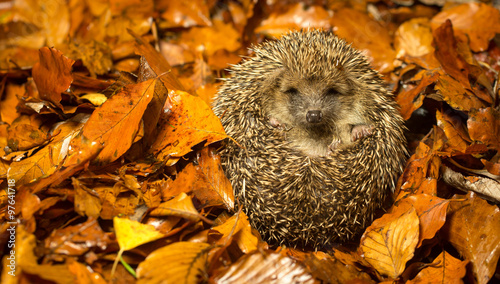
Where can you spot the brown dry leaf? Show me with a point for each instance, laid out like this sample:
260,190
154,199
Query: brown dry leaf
419,168
87,201
51,19
8,111
27,261
458,138
456,95
295,17
190,121
473,228
265,267
431,212
390,241
238,227
116,123
27,132
206,181
479,21
445,267
78,239
414,38
83,274
131,234
178,263
207,40
185,14
159,66
411,99
46,161
116,201
484,126
367,35
455,58
180,206
52,74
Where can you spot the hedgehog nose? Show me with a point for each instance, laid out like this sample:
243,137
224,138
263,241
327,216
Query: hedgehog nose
314,116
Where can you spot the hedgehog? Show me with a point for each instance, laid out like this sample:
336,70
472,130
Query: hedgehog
317,141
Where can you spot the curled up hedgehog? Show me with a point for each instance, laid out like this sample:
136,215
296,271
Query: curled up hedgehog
321,141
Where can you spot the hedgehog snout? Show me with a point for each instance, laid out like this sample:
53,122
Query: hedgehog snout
314,116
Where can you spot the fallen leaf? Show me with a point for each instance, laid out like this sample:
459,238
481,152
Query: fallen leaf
180,206
78,239
180,263
189,121
479,21
131,234
115,123
52,74
445,267
265,267
431,212
390,242
27,262
367,35
295,16
484,126
238,225
87,201
414,38
473,228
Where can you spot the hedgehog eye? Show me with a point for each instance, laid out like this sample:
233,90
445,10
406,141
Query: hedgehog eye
292,91
332,92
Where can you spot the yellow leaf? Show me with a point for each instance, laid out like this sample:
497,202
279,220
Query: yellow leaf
390,242
131,234
179,263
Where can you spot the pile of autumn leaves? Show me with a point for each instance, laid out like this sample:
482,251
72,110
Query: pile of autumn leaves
95,188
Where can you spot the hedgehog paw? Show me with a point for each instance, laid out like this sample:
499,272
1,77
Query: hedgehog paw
360,131
276,124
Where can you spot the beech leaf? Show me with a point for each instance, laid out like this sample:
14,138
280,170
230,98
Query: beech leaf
178,263
390,242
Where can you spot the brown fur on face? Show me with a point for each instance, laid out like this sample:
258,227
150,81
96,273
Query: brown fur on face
293,97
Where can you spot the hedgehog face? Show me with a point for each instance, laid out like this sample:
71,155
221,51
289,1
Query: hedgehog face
315,110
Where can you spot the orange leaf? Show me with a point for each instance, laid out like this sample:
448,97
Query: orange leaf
52,74
206,180
115,123
431,211
208,39
458,138
484,126
46,161
367,35
78,239
190,121
445,267
473,228
87,201
296,16
27,261
414,38
180,262
479,21
411,99
246,241
391,241
180,206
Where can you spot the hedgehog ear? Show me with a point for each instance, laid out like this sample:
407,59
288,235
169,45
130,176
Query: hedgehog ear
272,81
